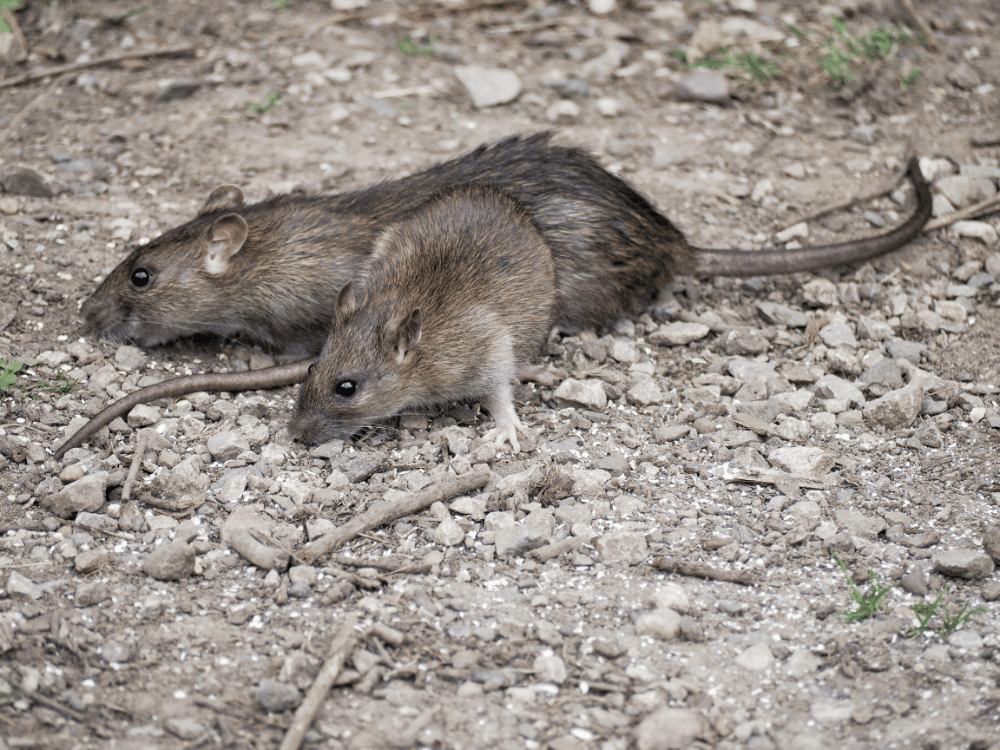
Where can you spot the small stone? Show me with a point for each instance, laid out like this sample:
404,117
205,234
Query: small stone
671,432
859,524
991,543
622,548
113,652
87,494
488,86
776,314
662,623
838,334
170,562
756,658
91,561
678,334
820,293
72,473
564,109
963,563
601,68
749,341
670,729
130,358
915,581
897,408
143,415
831,387
644,393
802,662
448,533
22,180
91,593
703,85
804,461
276,697
586,393
185,728
671,596
21,585
550,668
227,445
534,531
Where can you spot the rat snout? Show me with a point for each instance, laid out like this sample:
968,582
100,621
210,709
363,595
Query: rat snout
314,427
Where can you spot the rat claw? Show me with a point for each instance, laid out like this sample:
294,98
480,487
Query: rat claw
501,435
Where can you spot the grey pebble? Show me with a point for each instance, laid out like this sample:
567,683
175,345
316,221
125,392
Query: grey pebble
704,86
91,561
19,179
678,334
184,728
622,548
991,543
963,563
21,585
142,415
170,562
113,652
898,408
488,86
838,334
227,445
130,358
670,729
87,494
534,531
91,593
776,314
589,394
276,697
662,623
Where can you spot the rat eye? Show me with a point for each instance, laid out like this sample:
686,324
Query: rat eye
140,278
345,388
311,368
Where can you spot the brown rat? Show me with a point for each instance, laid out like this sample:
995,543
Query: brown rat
456,300
271,271
611,248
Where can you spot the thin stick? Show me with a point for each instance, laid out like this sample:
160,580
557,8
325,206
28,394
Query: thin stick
697,570
73,67
340,649
908,5
384,512
987,206
133,471
887,187
16,28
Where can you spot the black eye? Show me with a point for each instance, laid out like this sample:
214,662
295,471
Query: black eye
140,278
346,388
311,368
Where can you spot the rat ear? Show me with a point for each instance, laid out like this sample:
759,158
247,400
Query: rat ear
225,237
222,198
347,303
405,336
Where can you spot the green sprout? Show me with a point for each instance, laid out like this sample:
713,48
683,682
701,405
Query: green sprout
869,604
925,612
13,696
10,5
130,13
273,101
8,376
280,4
910,78
407,46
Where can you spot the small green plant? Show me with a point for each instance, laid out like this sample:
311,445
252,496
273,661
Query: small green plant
280,4
910,78
10,5
925,612
8,376
273,101
136,12
13,696
10,371
869,604
407,46
844,49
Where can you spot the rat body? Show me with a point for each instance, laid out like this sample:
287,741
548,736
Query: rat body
271,271
456,300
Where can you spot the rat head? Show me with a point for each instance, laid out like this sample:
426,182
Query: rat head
365,372
170,287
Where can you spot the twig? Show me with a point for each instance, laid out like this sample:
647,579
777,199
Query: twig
73,67
340,649
979,141
22,40
56,706
89,529
385,512
697,570
887,187
908,5
986,206
555,549
133,471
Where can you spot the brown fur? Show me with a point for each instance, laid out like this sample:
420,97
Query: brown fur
455,300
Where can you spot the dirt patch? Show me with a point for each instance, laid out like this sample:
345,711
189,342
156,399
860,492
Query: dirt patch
852,411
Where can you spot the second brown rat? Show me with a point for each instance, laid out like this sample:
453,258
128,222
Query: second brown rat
456,300
611,248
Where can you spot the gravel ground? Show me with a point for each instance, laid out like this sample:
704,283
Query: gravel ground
654,569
